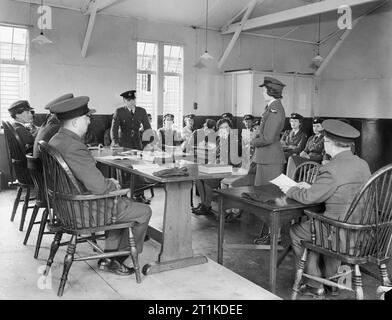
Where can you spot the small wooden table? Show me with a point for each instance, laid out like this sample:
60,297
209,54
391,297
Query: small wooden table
176,236
271,211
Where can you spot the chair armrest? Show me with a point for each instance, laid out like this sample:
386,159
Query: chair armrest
89,197
336,223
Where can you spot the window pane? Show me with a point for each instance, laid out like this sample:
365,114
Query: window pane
13,86
146,56
173,59
172,98
13,77
146,94
20,36
5,34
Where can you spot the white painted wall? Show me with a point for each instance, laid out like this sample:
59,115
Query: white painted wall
358,80
109,67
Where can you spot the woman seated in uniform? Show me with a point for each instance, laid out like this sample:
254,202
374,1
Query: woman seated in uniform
223,156
186,132
167,135
293,141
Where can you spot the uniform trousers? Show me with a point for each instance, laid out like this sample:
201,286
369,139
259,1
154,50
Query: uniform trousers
316,265
129,211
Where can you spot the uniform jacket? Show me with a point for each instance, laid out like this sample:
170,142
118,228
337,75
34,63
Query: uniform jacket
25,135
130,126
297,140
186,133
168,137
82,165
267,144
315,148
46,132
336,184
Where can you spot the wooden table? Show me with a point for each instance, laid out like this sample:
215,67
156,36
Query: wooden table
274,210
176,236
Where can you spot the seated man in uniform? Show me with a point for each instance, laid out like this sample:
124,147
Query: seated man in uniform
21,112
74,115
293,141
50,126
336,184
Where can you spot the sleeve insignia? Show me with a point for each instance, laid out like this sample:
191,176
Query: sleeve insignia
273,110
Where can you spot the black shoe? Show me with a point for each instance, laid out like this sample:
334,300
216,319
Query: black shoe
141,198
115,266
203,211
333,291
233,215
317,293
196,208
263,239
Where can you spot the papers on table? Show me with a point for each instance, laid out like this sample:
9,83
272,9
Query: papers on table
147,168
117,157
283,181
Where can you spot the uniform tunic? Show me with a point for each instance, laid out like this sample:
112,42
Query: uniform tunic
315,147
269,157
83,166
130,125
25,135
291,139
336,184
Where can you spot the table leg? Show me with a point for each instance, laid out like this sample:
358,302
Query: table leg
176,250
274,225
221,232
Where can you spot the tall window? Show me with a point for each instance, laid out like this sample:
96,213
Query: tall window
146,86
173,82
13,67
160,66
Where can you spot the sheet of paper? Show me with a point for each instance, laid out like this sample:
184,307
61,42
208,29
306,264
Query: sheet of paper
283,181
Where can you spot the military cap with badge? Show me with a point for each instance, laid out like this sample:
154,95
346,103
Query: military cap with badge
168,116
129,95
72,108
227,115
190,116
248,117
18,107
296,116
340,131
61,98
273,83
317,120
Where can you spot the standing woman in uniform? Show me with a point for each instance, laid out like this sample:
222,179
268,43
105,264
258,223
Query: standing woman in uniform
129,118
269,157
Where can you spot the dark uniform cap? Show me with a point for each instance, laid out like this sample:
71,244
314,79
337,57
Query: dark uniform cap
71,108
210,123
272,83
340,130
190,116
227,115
61,98
169,116
19,106
248,117
296,116
317,120
130,95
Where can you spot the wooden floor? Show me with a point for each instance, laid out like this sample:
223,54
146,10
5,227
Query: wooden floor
21,275
244,274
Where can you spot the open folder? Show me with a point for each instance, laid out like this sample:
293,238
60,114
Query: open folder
283,181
